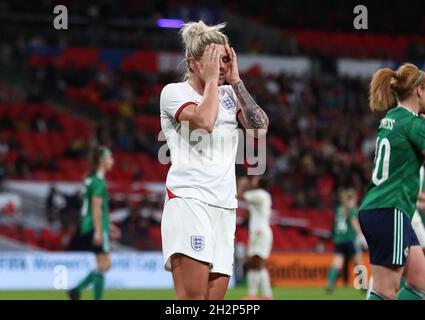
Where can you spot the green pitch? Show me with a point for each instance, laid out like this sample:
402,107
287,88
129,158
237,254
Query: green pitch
232,294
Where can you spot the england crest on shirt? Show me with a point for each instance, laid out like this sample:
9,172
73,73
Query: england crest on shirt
198,242
228,103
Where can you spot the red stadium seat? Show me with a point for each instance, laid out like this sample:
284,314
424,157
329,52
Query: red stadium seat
155,234
140,61
150,124
242,235
79,57
45,239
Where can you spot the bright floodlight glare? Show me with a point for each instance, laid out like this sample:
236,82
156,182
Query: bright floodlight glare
169,23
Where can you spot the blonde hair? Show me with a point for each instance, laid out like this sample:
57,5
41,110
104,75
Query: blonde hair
196,36
388,86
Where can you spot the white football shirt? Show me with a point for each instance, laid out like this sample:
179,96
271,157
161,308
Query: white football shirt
202,164
260,207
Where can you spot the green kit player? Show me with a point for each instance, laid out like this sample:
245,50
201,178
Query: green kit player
346,235
95,227
390,201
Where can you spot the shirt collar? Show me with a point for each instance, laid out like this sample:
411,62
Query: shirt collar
407,109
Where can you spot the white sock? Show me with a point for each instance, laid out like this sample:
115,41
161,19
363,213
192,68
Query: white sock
254,280
265,283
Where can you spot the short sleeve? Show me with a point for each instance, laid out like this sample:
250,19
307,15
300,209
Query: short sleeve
173,100
232,95
98,187
353,213
417,133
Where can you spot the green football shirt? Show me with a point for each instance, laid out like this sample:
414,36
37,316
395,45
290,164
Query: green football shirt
94,186
343,228
398,158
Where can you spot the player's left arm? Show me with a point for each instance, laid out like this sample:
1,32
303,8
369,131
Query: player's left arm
356,225
251,115
241,187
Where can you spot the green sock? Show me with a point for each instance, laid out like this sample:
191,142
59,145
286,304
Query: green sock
86,281
402,282
375,296
99,284
409,293
333,275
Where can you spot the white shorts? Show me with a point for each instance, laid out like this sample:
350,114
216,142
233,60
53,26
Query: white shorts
200,231
260,243
419,228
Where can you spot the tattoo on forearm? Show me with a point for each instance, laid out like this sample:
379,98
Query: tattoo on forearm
256,117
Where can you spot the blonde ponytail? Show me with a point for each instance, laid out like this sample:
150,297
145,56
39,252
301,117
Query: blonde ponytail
388,86
381,98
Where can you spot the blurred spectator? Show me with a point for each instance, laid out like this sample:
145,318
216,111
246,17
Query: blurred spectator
6,123
34,95
22,165
77,149
53,123
143,143
70,212
2,171
256,46
55,202
415,51
38,123
135,227
4,147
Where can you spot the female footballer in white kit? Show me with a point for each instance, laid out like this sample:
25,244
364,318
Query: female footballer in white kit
259,200
417,223
199,118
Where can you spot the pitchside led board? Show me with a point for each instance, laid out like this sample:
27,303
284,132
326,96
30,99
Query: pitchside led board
61,271
311,270
144,270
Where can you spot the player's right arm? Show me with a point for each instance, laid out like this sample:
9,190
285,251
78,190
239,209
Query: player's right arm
253,197
204,114
420,203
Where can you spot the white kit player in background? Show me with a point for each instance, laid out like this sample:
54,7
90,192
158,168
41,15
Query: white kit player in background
255,192
199,118
417,222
